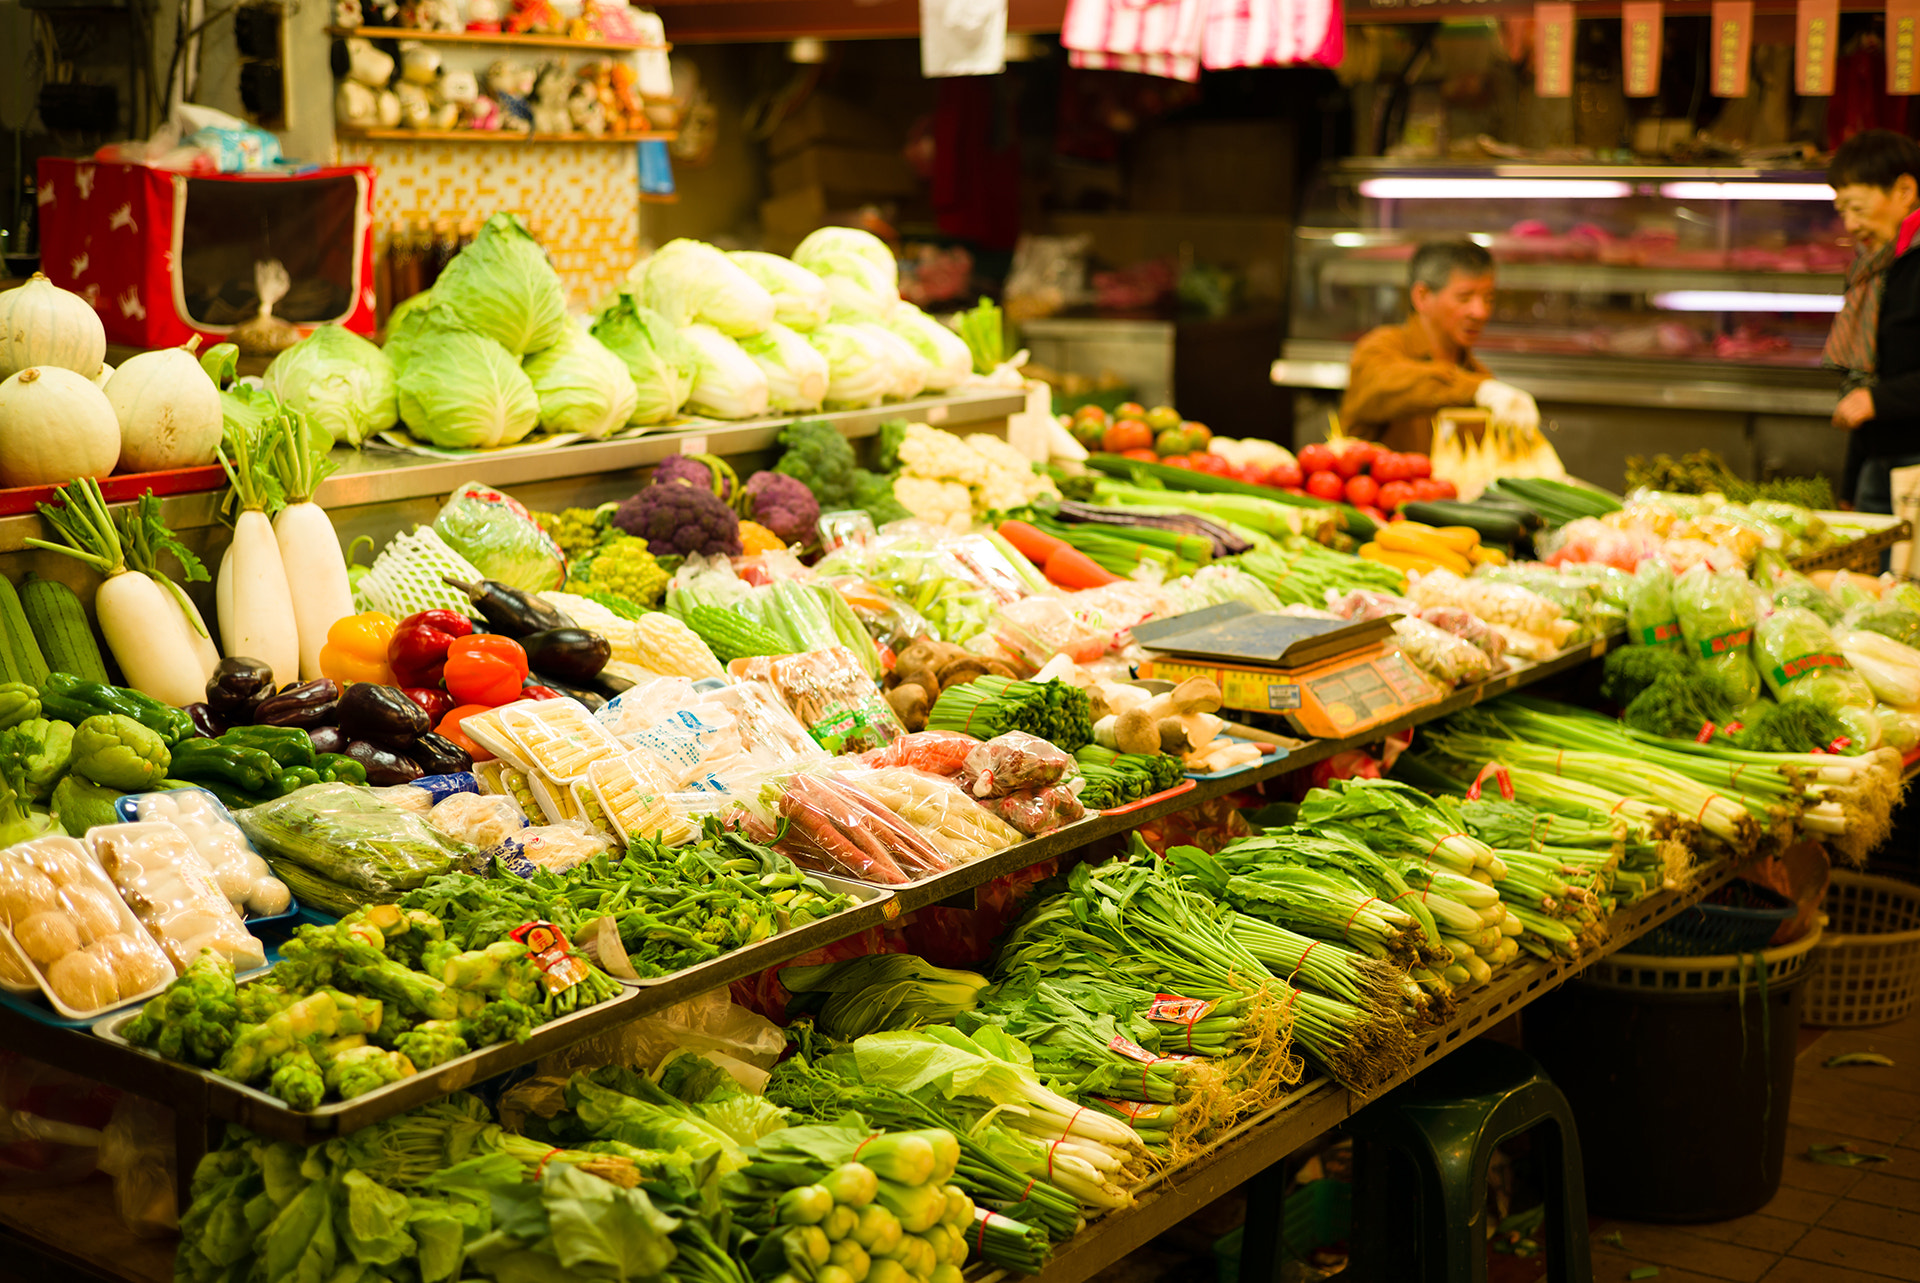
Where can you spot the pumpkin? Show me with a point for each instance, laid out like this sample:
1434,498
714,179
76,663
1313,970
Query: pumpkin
42,324
168,410
54,426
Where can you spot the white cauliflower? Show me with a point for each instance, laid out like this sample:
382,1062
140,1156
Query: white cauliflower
944,503
1011,481
933,455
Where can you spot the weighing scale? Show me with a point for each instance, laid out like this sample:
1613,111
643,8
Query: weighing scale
1329,678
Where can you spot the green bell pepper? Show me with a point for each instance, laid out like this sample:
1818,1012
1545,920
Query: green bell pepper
117,751
250,770
292,779
72,699
80,805
19,702
51,756
338,768
232,798
286,745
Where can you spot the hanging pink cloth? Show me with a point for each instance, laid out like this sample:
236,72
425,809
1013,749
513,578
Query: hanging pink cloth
1176,38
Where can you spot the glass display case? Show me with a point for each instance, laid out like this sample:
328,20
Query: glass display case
1687,288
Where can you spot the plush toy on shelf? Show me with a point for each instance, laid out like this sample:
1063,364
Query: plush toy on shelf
363,100
476,110
583,106
483,16
550,114
534,17
346,13
510,84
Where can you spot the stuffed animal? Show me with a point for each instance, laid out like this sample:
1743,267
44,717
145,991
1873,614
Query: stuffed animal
583,105
614,20
346,13
550,114
483,15
419,62
510,84
363,100
416,105
534,17
436,15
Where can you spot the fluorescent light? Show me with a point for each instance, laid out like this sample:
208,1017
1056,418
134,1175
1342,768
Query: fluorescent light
1745,301
1350,240
1747,191
1493,189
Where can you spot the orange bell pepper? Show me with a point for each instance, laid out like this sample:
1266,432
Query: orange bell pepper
450,727
487,669
356,649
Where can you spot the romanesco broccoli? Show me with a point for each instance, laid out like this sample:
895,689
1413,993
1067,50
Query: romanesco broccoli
623,568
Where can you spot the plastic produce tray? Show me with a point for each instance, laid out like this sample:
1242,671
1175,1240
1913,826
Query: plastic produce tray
1266,760
126,806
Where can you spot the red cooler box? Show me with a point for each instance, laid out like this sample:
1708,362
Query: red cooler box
163,256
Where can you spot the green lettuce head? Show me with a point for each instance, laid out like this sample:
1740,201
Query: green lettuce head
582,386
862,278
661,362
944,350
860,369
340,381
464,391
690,281
728,383
503,287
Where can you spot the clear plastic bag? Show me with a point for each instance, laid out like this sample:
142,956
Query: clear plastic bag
1013,761
1891,669
1798,655
710,1025
343,834
1651,619
832,696
1038,628
477,819
173,893
935,752
1717,613
1469,627
243,877
836,827
553,847
71,935
1037,811
1364,604
500,537
1444,656
939,808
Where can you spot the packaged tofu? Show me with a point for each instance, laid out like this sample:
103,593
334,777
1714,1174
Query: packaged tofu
239,871
174,893
69,934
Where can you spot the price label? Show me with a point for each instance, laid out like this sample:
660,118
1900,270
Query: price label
1553,50
1731,43
1816,46
1640,30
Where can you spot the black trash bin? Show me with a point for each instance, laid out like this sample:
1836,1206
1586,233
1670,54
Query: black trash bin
1680,1075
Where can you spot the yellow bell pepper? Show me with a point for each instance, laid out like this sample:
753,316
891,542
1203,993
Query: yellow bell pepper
356,649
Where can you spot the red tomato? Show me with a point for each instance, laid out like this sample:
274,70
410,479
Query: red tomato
1127,435
1130,410
1395,493
1284,475
1144,455
1388,467
1205,462
1349,464
1425,489
1326,485
1317,457
1418,465
1363,491
1443,488
1178,461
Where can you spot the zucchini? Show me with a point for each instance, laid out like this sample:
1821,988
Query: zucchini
1352,521
1494,525
1558,501
59,623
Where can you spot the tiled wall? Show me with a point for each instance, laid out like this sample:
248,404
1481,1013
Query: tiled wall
582,200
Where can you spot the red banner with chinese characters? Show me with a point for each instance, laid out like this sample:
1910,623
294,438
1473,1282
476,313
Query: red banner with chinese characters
1553,50
1640,47
1816,43
1903,44
1732,47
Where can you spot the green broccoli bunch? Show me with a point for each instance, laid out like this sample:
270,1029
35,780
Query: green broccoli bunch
820,458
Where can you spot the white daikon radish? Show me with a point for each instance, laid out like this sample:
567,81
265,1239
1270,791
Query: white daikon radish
140,618
257,622
143,539
309,548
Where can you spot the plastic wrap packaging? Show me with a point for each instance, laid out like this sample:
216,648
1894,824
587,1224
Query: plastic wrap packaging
136,1149
1038,628
1852,590
339,847
427,792
243,877
1362,603
832,696
558,738
1891,669
1717,613
935,752
477,819
890,621
709,1025
1651,619
939,808
173,893
501,539
1013,761
913,563
1798,655
1469,627
702,740
835,827
634,803
553,847
70,934
1891,616
1899,727
1535,628
1037,811
1451,660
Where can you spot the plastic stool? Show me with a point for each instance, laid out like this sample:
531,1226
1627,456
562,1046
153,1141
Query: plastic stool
1420,1170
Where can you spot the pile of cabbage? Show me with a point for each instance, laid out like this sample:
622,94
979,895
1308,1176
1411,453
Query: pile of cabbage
769,335
481,360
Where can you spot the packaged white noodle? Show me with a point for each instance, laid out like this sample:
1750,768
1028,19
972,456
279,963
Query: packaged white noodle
553,847
68,933
173,893
242,875
558,738
644,703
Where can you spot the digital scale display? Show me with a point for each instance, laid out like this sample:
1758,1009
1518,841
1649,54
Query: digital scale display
1370,692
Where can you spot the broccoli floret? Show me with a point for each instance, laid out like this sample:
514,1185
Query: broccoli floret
432,1043
873,491
297,1079
819,458
783,505
194,1020
680,519
886,446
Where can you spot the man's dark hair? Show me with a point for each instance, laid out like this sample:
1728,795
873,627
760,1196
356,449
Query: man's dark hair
1435,263
1874,158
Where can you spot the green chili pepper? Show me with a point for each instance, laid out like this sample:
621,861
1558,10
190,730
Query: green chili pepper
67,698
251,770
294,778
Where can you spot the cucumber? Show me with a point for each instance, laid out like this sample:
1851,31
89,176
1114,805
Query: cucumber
19,652
1352,521
59,623
1494,526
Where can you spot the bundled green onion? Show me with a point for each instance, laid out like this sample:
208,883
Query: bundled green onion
993,705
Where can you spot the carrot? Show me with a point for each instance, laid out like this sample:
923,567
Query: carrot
1031,542
862,858
1071,568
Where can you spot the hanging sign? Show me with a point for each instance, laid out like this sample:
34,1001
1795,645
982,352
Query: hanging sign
1640,47
1816,32
1903,44
1553,50
1732,47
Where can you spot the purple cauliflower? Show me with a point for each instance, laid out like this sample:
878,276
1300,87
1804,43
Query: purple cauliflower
677,519
783,505
702,471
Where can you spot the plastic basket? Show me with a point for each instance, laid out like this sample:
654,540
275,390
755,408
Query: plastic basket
1738,918
1867,971
1702,975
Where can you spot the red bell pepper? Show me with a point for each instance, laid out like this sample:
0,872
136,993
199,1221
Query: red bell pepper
486,670
418,652
540,692
437,702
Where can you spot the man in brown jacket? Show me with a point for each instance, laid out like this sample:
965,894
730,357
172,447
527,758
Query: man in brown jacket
1401,374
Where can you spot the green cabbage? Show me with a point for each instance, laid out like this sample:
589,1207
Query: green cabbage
862,278
800,300
945,351
464,391
503,287
691,281
910,369
501,539
728,383
582,386
796,372
340,381
859,368
661,362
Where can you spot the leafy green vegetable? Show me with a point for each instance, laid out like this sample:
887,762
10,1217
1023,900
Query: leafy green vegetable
340,381
463,390
582,386
660,361
503,287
